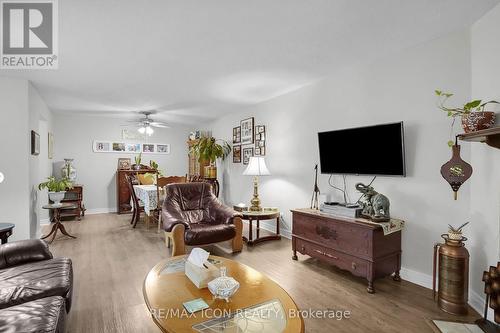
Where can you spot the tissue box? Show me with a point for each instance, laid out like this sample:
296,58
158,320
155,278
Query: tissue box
201,276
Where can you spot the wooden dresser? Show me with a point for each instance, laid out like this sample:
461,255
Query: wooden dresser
349,244
122,192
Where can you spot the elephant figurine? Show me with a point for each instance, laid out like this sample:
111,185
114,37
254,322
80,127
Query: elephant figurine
375,205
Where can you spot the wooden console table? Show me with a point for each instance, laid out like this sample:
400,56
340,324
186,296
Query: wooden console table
350,244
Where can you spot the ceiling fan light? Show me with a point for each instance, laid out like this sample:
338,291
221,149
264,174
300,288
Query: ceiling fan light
141,130
149,130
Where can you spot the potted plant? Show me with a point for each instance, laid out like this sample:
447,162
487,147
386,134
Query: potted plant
137,159
473,114
208,149
56,188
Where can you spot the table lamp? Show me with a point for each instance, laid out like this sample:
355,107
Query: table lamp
256,167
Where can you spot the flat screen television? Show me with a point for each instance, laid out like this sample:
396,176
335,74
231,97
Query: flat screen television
371,150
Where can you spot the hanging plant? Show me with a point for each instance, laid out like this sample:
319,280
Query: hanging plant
473,114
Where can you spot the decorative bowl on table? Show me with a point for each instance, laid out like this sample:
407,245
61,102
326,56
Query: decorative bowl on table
223,287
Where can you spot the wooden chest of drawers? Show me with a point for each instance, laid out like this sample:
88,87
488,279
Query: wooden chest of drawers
352,245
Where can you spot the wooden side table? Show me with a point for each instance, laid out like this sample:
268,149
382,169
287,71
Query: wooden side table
5,231
56,210
258,216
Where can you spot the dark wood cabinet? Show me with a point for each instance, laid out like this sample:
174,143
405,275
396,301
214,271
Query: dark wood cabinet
123,205
350,244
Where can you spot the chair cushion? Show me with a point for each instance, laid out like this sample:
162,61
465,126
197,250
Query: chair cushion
36,280
43,315
205,233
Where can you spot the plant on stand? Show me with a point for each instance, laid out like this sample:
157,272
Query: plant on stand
57,188
208,149
137,164
473,114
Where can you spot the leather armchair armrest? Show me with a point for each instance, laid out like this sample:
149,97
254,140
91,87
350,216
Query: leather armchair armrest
220,213
24,251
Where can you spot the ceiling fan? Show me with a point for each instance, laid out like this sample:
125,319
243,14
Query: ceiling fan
145,124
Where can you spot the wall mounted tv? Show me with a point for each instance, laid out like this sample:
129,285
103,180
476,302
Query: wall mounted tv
371,150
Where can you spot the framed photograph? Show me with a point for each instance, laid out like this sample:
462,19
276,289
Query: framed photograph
164,149
102,147
247,131
118,146
35,143
133,147
247,153
260,140
148,148
257,151
124,164
237,134
237,154
50,149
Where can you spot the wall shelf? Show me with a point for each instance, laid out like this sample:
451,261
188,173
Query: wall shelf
490,136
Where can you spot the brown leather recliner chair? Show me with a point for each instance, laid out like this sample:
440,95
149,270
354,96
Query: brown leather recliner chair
192,215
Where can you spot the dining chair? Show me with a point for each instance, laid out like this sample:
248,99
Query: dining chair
161,182
138,208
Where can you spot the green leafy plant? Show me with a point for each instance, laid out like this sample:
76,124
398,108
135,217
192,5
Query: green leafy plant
138,159
208,149
476,105
54,185
155,166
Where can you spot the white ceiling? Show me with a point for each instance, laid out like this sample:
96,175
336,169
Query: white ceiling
196,60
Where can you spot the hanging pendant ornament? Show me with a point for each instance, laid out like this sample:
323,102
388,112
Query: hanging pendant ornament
456,171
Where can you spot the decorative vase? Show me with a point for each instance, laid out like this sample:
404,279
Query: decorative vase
68,170
223,287
476,121
56,197
136,167
210,172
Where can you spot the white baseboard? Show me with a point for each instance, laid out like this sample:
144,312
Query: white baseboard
44,221
93,211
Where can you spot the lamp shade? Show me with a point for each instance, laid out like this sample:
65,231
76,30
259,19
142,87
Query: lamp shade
1,177
256,167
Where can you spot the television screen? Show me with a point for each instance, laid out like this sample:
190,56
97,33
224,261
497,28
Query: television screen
371,150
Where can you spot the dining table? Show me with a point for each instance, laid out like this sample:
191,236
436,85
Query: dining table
148,195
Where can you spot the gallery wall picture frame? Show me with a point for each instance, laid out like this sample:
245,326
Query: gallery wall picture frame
247,153
103,146
260,140
35,143
50,145
124,163
237,134
247,131
237,154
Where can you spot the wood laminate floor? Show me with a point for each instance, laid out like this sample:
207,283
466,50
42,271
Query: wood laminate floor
110,261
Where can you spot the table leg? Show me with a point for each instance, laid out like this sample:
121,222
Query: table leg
258,229
4,239
277,225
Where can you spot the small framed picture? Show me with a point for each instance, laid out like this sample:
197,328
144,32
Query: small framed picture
133,147
50,145
163,149
237,134
35,143
118,146
247,131
148,148
123,163
257,151
237,154
247,153
260,129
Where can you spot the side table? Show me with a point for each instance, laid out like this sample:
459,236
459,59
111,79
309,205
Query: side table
258,216
5,231
56,209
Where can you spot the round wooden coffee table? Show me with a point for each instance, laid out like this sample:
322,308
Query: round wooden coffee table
166,288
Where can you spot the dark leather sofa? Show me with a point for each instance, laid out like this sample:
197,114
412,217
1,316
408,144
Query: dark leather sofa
35,288
192,215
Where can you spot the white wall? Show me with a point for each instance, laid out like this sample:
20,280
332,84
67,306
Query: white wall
74,134
485,184
15,156
40,120
399,87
